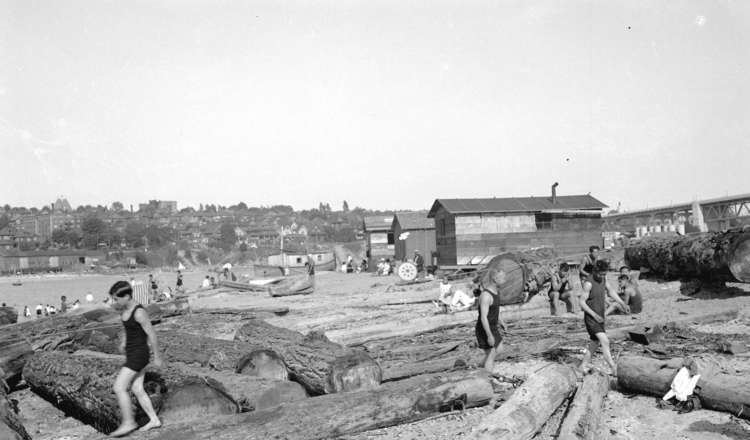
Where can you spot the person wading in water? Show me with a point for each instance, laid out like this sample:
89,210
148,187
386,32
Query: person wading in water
138,336
488,334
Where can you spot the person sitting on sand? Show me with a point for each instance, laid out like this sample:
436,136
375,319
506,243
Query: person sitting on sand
453,299
206,283
629,295
138,336
561,289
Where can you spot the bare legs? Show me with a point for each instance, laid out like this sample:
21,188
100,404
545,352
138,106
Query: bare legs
604,342
489,357
125,377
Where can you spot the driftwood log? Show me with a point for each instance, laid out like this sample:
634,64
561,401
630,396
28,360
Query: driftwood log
13,354
717,391
334,415
321,366
528,409
714,256
81,386
11,427
584,417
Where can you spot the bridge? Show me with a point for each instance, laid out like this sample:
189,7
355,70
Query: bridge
719,214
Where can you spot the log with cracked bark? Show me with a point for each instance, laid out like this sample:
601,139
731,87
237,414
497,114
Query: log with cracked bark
718,256
528,409
583,420
321,366
81,385
339,414
11,427
717,391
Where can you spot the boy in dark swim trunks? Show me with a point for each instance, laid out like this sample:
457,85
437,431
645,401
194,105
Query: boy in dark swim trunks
138,336
593,303
488,334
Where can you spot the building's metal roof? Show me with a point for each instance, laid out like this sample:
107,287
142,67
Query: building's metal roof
515,204
378,223
413,220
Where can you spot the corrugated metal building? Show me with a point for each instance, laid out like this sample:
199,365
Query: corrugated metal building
414,231
469,230
379,239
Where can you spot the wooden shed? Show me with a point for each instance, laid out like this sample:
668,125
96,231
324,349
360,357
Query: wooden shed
379,239
469,231
414,231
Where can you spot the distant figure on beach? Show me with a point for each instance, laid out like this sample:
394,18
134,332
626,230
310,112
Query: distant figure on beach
52,310
206,283
39,309
76,304
179,281
489,324
63,304
138,336
629,292
46,310
26,312
419,262
453,299
154,287
213,282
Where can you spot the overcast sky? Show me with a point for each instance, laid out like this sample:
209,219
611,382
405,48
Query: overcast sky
385,104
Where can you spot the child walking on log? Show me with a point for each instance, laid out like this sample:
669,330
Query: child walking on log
487,332
594,291
138,336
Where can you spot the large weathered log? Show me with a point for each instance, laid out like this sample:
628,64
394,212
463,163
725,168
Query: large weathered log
321,366
524,414
520,268
11,427
719,392
250,393
716,256
339,414
584,418
81,385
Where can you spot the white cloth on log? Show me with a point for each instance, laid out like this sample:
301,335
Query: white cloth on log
682,385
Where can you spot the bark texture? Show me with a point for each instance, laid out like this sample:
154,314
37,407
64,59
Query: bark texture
715,256
584,418
321,366
528,409
81,386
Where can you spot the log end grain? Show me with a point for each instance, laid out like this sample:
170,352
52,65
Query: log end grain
263,363
353,371
739,260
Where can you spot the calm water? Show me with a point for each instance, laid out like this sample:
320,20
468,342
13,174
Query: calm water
48,289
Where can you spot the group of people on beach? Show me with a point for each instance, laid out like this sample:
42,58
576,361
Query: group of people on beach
596,299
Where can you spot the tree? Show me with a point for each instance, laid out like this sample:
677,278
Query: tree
345,208
117,206
134,234
93,229
4,220
227,236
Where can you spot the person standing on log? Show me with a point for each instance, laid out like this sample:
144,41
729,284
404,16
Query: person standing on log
487,332
138,336
587,264
595,290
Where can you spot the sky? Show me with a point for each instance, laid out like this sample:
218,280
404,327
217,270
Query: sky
387,104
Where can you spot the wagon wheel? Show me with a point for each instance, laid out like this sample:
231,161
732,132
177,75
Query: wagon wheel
407,271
